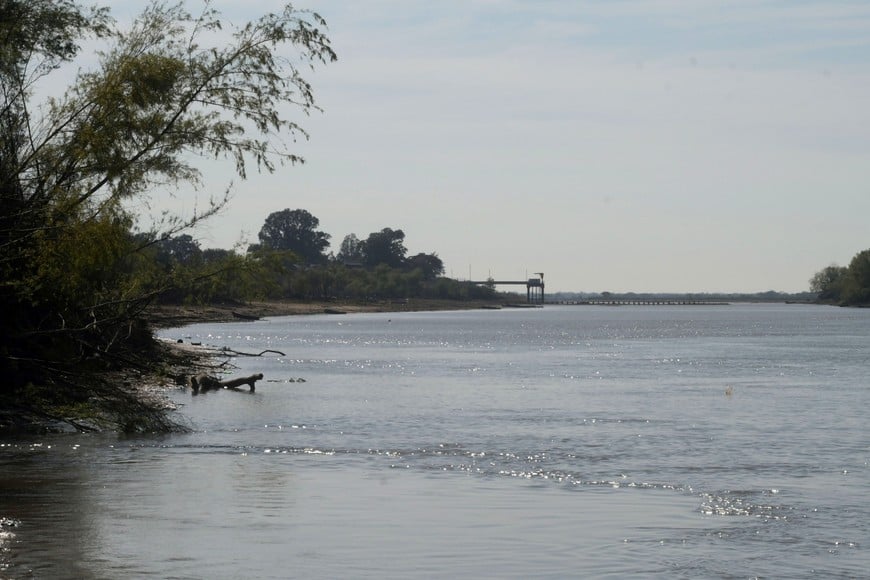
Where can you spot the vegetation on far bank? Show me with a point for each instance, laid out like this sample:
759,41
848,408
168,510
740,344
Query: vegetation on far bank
844,286
290,263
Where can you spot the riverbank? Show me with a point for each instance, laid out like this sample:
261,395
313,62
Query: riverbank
169,316
129,399
134,398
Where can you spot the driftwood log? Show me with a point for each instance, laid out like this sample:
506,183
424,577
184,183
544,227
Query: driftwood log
205,383
231,351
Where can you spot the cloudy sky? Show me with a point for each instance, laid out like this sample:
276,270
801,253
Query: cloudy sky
621,145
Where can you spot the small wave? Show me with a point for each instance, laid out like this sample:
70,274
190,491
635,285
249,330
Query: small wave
7,536
744,503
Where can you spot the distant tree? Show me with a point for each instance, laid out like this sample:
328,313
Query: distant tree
351,249
216,255
827,283
430,265
856,283
295,230
228,278
385,247
848,286
182,249
276,270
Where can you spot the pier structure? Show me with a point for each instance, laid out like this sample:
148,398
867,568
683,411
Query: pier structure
534,287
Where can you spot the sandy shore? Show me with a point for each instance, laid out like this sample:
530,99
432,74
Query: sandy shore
169,316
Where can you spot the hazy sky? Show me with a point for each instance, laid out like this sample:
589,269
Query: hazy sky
621,145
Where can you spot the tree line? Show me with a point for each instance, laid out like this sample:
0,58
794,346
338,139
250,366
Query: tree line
844,285
291,262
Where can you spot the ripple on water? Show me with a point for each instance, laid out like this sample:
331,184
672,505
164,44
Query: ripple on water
7,540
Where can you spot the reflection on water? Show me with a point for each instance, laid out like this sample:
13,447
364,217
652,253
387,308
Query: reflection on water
279,517
43,505
550,443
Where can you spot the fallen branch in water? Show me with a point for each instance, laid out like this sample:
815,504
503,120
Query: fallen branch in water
278,352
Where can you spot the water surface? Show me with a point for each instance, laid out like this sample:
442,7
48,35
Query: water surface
564,441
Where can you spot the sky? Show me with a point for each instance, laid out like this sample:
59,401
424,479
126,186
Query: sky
615,145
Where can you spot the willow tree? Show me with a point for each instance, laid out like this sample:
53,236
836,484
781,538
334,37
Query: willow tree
171,90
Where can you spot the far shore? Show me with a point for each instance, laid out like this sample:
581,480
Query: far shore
171,315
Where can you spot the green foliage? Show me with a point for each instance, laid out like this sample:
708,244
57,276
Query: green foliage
295,230
827,283
384,247
351,250
79,266
856,287
845,286
265,274
73,280
429,265
37,36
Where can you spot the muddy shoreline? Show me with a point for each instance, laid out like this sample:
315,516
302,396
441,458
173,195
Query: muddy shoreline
172,316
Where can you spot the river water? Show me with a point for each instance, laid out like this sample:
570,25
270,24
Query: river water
569,441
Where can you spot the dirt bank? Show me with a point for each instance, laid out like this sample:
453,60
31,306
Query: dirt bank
169,316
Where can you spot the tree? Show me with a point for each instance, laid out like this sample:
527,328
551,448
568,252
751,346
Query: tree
856,285
217,255
351,250
160,96
295,230
430,265
182,249
385,247
827,282
845,286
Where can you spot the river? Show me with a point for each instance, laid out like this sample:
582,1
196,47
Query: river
570,441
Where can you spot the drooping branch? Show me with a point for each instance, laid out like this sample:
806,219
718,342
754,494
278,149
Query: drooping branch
74,274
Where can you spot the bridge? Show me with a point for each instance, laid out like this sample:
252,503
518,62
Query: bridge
534,286
641,302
